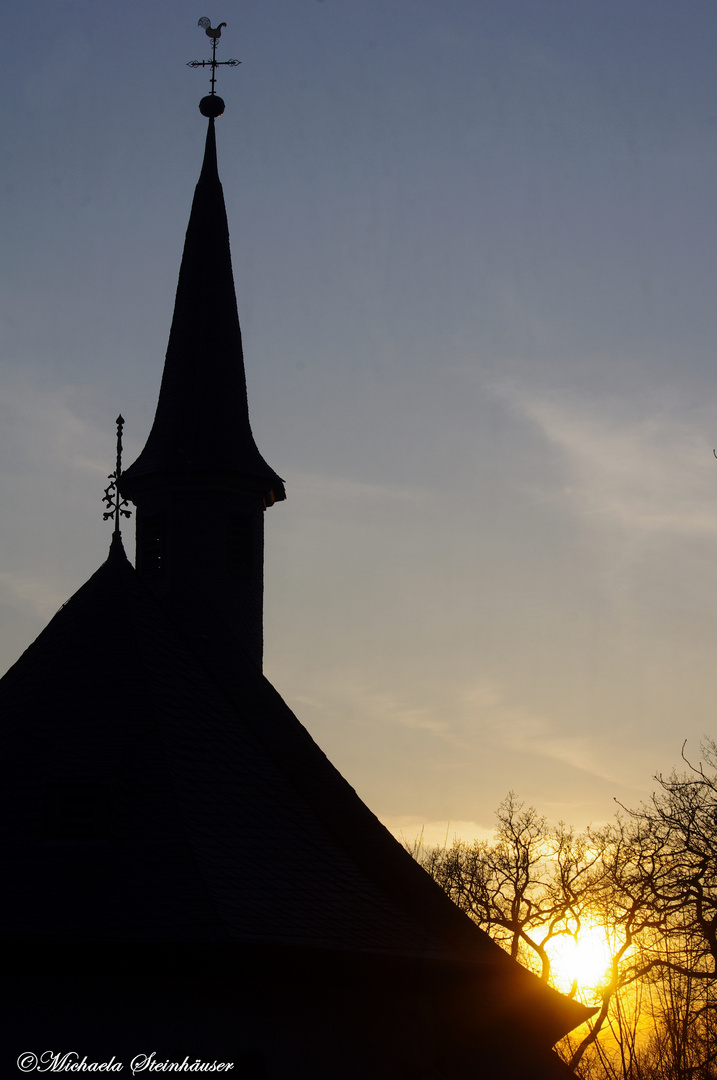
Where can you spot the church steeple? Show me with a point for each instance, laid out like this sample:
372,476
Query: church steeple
200,484
202,419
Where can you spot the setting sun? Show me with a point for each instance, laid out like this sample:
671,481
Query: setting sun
583,960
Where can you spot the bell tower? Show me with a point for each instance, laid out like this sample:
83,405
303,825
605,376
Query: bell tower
200,485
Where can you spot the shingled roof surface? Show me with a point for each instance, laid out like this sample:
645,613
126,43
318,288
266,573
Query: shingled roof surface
276,845
226,822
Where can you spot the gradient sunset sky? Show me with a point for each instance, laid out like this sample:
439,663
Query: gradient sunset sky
475,251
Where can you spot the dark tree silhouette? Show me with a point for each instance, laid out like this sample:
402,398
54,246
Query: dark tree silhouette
680,827
526,888
649,880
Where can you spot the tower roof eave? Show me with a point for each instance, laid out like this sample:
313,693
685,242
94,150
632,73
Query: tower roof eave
267,485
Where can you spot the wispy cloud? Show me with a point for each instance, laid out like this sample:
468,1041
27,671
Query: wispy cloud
45,425
355,492
381,705
516,728
463,719
651,470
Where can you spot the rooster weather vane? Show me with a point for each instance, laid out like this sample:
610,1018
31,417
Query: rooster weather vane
112,498
212,104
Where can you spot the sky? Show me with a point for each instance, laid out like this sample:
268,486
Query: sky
475,252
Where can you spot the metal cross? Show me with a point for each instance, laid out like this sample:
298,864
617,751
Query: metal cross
112,498
213,63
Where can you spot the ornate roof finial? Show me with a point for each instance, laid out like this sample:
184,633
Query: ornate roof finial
112,498
212,105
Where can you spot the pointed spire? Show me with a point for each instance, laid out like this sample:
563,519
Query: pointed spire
201,427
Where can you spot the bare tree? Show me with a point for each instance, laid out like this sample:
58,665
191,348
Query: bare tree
681,822
622,901
526,888
680,829
649,880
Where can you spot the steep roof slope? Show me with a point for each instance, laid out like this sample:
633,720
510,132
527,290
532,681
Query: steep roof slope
225,820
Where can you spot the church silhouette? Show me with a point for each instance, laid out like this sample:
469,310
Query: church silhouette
185,873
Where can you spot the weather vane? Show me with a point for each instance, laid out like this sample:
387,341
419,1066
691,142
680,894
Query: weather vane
212,104
112,498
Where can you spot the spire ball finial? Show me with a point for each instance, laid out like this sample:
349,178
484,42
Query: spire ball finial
211,105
